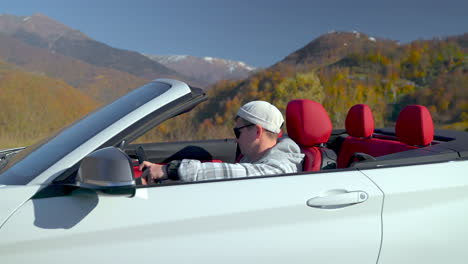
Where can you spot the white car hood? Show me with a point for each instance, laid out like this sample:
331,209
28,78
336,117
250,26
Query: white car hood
12,197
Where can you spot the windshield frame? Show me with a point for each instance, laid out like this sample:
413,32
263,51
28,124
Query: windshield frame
43,161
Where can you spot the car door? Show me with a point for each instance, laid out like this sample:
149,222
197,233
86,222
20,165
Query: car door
425,212
332,217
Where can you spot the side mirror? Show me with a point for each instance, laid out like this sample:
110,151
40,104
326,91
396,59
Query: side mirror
108,170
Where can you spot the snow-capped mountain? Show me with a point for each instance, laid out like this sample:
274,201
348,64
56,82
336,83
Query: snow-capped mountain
208,69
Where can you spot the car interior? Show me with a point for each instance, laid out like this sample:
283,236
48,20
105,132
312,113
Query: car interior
360,144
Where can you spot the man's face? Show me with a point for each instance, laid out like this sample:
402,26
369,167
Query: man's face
247,136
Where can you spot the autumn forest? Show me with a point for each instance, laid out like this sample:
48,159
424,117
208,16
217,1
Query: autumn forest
383,74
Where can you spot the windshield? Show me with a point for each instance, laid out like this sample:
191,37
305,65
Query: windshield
27,164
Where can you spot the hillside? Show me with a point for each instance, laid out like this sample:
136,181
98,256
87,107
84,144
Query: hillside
35,105
461,41
101,83
333,46
45,29
53,37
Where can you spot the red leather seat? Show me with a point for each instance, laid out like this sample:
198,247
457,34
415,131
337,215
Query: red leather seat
360,121
414,128
359,125
309,125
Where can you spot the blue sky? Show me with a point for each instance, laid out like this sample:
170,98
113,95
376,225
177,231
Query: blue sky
258,32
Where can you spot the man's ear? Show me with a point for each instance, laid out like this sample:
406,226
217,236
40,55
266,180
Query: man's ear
259,131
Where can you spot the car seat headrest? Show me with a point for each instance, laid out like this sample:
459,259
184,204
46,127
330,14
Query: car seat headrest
359,121
307,122
414,126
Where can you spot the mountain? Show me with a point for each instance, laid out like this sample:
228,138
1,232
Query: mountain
103,84
33,105
207,69
43,32
38,30
333,46
51,74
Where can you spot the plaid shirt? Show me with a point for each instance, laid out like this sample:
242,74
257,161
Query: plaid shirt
284,157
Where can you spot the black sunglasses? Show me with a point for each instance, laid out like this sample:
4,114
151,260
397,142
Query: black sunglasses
237,130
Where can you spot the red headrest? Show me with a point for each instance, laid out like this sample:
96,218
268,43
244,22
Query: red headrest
359,121
307,122
414,126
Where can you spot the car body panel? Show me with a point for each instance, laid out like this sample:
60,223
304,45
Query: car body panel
424,215
12,197
233,221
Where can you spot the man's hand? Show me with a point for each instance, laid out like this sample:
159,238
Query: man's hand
156,171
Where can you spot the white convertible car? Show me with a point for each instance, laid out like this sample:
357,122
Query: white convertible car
391,195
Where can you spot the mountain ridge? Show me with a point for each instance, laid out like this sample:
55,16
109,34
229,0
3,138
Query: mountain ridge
43,32
38,23
332,46
209,69
86,77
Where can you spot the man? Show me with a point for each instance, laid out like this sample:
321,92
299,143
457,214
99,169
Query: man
257,126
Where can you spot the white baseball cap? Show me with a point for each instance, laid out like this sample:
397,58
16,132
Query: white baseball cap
263,114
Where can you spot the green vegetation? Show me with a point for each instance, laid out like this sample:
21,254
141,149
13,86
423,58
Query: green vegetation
32,106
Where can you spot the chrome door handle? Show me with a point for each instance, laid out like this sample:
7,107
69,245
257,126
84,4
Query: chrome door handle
337,199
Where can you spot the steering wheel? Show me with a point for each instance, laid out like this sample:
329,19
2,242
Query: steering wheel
141,156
